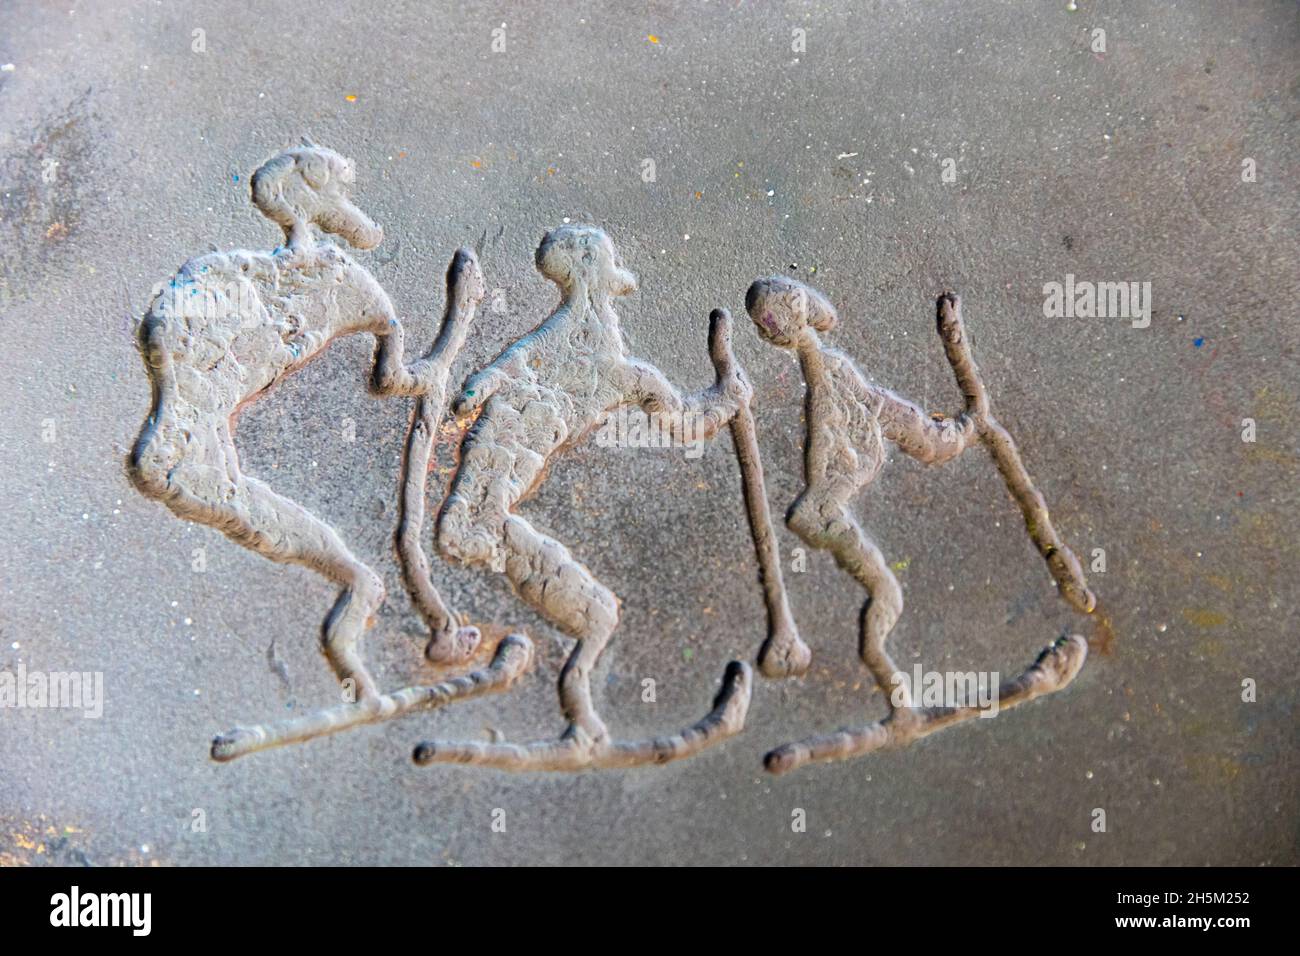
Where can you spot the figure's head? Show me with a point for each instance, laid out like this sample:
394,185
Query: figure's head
782,308
584,254
308,184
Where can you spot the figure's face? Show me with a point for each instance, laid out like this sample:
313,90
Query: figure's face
618,279
782,308
337,213
584,254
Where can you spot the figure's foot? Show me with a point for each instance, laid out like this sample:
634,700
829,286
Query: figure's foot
785,657
453,646
587,731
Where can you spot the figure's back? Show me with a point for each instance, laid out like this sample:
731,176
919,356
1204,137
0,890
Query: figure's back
241,319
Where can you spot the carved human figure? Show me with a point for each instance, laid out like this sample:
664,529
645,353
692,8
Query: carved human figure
230,325
546,393
849,420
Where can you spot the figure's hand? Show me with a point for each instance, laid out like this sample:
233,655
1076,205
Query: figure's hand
966,424
736,387
736,390
468,285
477,390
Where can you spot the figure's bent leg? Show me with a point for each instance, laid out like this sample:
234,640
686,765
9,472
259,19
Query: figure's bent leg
825,523
478,529
249,512
548,578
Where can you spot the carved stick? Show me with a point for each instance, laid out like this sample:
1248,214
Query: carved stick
1061,562
447,644
783,654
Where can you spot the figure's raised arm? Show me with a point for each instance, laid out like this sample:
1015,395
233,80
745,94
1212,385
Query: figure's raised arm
929,440
465,290
484,383
694,417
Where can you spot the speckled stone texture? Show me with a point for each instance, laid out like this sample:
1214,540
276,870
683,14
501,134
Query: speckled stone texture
124,152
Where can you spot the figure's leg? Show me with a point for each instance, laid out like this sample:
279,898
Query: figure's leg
478,529
823,521
550,580
214,493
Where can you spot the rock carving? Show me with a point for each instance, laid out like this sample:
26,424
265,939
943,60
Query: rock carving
849,419
229,325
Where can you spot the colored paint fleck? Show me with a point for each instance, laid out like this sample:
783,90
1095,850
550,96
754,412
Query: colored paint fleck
234,177
1198,342
476,164
688,653
351,97
1203,617
652,38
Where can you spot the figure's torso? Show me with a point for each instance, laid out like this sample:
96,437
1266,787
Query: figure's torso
232,323
562,380
844,439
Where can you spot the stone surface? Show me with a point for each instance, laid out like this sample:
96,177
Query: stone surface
824,164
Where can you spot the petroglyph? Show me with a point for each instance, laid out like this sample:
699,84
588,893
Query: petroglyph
229,325
224,330
849,419
547,393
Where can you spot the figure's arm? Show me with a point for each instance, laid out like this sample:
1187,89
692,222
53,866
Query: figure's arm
690,418
928,440
478,388
465,290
